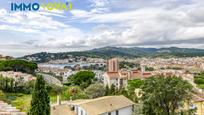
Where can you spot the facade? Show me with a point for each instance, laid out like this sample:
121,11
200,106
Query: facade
108,105
197,103
113,65
119,78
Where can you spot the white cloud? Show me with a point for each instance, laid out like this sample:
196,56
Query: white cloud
150,24
32,20
99,3
156,23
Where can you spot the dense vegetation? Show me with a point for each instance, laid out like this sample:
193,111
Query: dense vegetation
18,65
95,90
199,80
164,95
82,79
149,68
40,104
107,52
125,64
132,85
10,85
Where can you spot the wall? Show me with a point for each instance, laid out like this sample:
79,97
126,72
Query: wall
123,111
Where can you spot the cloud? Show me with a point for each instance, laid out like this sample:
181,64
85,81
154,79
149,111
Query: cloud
32,20
99,3
159,24
110,23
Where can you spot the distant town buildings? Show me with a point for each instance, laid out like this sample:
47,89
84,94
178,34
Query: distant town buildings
108,105
65,69
5,57
180,67
119,78
192,64
17,75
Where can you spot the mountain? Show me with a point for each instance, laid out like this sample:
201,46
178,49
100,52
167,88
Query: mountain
107,52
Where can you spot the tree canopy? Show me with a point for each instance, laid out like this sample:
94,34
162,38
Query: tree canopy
40,104
132,85
95,90
163,95
199,80
82,78
18,65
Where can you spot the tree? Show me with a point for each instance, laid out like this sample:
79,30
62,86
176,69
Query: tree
18,65
163,95
132,85
149,68
95,90
73,92
82,78
107,92
113,89
40,104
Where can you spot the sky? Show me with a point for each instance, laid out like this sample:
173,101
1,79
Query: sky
99,23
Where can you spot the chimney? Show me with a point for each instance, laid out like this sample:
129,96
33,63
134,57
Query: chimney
59,99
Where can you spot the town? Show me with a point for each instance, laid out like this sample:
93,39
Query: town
104,82
101,57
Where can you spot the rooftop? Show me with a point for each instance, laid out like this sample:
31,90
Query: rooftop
103,104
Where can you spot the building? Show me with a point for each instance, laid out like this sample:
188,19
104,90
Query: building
197,104
17,76
108,105
5,57
119,78
112,65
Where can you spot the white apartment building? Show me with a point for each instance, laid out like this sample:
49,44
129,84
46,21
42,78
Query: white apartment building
108,105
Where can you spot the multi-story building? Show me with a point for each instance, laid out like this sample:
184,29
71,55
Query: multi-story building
112,65
108,105
119,78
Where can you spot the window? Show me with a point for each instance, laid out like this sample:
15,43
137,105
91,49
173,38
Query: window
109,113
117,113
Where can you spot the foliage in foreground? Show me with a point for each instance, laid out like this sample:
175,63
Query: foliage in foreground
132,85
163,95
10,85
40,104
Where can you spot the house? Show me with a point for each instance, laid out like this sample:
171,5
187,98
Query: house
197,103
108,105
